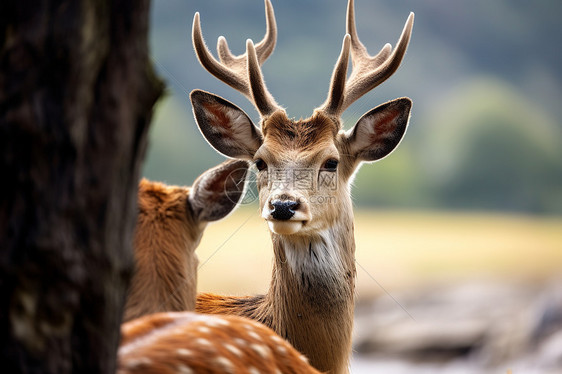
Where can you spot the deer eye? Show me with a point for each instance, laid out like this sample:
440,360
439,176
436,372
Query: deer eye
260,164
330,165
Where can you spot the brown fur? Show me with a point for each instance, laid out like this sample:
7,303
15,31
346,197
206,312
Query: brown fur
311,307
170,223
169,226
304,135
310,299
158,344
314,314
165,239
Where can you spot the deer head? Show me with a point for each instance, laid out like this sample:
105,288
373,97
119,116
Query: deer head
170,224
304,166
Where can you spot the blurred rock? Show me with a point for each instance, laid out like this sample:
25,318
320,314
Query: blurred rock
473,324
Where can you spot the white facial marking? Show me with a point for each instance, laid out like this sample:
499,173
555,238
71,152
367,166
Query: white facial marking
284,227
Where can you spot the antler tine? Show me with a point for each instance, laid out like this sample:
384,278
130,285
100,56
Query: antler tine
372,71
222,72
264,48
264,102
368,71
236,70
337,83
358,50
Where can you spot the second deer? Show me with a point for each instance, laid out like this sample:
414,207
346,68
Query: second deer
170,224
304,172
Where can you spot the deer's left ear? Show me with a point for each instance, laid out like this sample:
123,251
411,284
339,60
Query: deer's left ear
379,131
218,190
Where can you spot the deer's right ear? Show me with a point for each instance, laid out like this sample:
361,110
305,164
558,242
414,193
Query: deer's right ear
225,126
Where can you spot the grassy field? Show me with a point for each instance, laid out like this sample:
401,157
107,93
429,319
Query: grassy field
394,250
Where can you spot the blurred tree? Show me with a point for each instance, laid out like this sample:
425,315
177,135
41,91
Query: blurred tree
490,148
76,96
393,182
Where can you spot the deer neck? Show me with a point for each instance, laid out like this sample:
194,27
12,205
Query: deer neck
311,296
165,242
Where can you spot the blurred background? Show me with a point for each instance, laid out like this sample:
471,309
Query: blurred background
459,231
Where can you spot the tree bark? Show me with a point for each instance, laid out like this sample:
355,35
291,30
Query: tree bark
76,95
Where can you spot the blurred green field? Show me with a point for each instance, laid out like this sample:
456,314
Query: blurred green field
395,249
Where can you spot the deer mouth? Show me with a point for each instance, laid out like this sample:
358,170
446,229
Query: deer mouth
284,220
285,227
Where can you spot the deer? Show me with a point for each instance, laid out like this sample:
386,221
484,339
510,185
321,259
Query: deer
187,342
170,224
304,171
161,333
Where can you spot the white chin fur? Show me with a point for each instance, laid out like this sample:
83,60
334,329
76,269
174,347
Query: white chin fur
285,227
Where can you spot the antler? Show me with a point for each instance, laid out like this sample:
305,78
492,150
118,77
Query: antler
368,71
243,72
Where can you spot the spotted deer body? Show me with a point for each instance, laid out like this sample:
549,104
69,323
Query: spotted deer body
186,342
303,178
170,223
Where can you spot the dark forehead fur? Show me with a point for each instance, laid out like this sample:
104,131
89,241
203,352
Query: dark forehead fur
302,134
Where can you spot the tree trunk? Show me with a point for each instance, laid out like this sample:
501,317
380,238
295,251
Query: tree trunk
76,96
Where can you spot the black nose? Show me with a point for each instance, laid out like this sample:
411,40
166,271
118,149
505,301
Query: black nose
283,210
